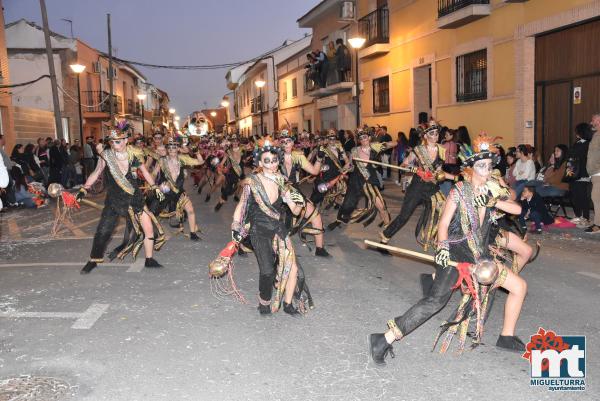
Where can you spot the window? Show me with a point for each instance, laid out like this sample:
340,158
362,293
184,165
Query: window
471,76
381,95
294,88
284,90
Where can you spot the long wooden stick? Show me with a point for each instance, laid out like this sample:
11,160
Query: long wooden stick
383,164
92,204
407,252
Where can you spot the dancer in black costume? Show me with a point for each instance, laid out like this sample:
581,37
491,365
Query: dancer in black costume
364,182
261,215
120,163
464,235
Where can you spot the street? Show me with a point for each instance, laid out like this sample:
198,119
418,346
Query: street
124,332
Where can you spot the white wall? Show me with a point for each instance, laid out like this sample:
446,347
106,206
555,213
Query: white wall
27,67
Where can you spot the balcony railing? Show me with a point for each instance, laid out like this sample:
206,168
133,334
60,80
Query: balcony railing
100,101
313,79
375,27
256,105
446,7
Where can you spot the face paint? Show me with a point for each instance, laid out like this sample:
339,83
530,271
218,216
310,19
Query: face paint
483,167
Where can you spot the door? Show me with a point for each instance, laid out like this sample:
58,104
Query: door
422,92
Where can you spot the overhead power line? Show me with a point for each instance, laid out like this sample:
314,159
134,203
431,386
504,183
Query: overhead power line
25,83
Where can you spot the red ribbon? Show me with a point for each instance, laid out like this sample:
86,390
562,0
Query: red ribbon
229,250
425,175
69,200
464,275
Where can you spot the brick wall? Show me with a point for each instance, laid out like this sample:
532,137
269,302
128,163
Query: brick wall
30,124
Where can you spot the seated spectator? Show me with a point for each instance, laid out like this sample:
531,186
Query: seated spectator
524,169
533,208
18,157
22,194
550,184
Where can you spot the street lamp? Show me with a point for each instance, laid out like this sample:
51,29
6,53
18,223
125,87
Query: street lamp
172,113
357,43
78,69
142,97
259,84
225,105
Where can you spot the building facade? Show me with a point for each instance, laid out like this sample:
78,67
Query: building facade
257,109
33,111
6,108
296,108
526,70
334,100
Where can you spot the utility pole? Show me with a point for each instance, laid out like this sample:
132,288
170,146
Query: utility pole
110,73
50,56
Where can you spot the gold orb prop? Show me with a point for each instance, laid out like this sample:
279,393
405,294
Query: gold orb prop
218,267
55,189
486,272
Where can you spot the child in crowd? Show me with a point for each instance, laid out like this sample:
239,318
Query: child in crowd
533,208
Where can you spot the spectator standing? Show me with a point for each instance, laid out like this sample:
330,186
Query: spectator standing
55,162
462,136
3,178
400,152
524,169
593,168
42,155
511,159
449,143
342,60
18,157
322,66
88,156
34,167
349,142
386,156
577,175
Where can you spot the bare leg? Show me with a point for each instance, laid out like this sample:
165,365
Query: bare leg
385,216
517,288
290,286
317,223
148,234
522,249
189,208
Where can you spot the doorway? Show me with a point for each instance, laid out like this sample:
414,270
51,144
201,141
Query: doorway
423,97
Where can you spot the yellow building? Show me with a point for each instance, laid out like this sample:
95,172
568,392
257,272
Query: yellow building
296,108
491,65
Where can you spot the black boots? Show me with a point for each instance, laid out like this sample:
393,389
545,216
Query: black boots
89,266
510,343
218,206
379,348
321,252
290,310
264,309
207,199
334,225
194,236
151,262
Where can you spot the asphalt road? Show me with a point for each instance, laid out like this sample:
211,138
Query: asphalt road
128,333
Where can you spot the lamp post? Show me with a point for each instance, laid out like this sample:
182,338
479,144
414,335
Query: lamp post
357,43
172,113
225,105
259,84
78,69
142,97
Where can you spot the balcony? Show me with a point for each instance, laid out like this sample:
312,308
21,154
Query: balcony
99,101
375,28
333,85
456,13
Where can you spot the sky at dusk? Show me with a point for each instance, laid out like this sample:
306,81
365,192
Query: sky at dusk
176,32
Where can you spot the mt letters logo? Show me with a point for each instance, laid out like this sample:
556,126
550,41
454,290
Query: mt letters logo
557,362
